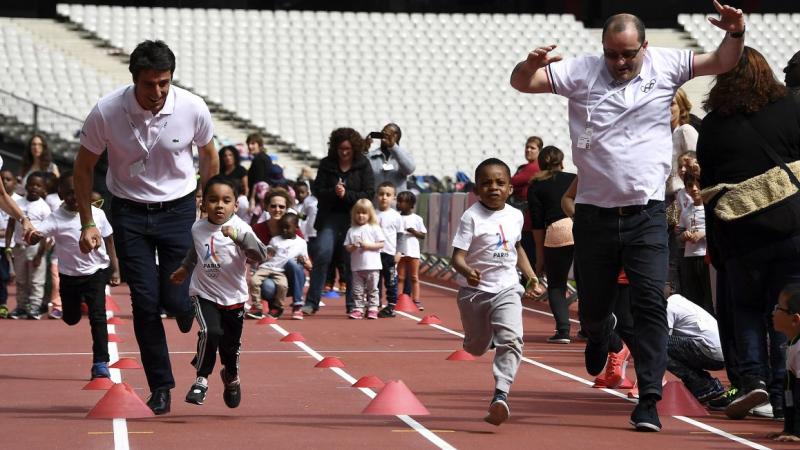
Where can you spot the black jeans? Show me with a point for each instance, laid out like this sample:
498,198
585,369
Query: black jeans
637,242
5,269
557,261
90,289
220,329
388,278
687,361
138,235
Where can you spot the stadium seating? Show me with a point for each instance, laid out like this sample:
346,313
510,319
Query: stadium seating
442,77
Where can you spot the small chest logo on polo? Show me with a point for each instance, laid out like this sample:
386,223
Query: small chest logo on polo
211,261
647,87
501,249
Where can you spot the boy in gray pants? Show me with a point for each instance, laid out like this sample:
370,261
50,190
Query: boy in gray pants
487,251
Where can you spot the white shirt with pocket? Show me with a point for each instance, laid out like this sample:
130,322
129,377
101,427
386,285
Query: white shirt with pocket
64,227
360,258
490,237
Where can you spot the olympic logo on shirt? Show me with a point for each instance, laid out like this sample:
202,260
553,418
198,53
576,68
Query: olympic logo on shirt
649,86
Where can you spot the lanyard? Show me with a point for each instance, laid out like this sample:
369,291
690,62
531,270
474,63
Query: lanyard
608,94
138,135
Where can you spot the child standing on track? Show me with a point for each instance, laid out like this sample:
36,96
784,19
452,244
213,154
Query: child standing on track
408,244
392,225
83,276
364,242
487,252
218,262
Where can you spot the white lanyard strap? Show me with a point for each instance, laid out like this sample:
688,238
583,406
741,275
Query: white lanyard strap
605,96
138,135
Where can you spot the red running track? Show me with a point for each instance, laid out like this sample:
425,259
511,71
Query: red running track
288,403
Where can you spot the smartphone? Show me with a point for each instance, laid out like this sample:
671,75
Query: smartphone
376,135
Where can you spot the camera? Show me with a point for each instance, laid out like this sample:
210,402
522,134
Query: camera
376,135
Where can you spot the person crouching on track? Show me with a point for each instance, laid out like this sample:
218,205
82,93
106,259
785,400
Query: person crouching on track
487,252
83,276
218,262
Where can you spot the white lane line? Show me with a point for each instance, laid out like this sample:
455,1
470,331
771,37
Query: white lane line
120,426
693,422
565,349
416,426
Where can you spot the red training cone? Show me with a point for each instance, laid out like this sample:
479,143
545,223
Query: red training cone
126,363
634,392
405,304
676,400
115,321
111,305
267,320
369,381
396,399
293,337
114,338
98,384
329,361
460,355
120,402
84,309
431,319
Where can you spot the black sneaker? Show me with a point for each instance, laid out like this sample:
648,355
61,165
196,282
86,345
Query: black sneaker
387,311
645,415
596,353
197,393
722,402
751,396
232,394
275,311
159,401
185,321
498,410
561,337
710,392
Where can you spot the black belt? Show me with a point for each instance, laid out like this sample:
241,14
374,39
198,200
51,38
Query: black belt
622,211
155,206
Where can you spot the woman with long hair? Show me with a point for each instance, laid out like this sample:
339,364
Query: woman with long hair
37,158
749,143
230,165
344,177
552,233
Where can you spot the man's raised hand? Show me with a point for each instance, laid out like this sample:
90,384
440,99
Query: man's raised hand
540,57
730,19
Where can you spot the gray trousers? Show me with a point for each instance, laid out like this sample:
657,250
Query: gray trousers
365,289
494,321
29,279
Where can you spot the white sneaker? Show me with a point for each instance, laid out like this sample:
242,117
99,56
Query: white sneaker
762,410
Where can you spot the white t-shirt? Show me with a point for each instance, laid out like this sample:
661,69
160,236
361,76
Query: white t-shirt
362,259
285,250
242,208
53,201
490,238
162,171
407,243
220,273
693,218
4,217
309,208
630,153
65,227
37,211
391,224
684,139
793,359
688,319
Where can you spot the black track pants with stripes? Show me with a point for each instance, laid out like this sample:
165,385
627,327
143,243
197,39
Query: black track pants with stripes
220,328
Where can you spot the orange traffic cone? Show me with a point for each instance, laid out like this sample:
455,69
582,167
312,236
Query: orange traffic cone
396,399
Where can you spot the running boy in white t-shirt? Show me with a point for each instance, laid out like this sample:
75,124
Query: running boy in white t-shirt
218,263
83,276
487,252
392,225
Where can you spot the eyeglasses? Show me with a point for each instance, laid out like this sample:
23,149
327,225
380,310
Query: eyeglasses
277,206
627,54
778,308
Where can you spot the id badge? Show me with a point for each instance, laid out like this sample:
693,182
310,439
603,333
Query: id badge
585,139
137,168
787,397
388,166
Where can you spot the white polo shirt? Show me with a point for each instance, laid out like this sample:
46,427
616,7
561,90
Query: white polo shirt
157,165
629,156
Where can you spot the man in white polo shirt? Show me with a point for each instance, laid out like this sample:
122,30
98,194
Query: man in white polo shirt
148,129
619,119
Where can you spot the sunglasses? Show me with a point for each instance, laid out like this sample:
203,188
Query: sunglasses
778,308
627,54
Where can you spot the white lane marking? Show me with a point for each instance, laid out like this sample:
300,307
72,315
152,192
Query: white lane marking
695,423
416,426
120,426
562,349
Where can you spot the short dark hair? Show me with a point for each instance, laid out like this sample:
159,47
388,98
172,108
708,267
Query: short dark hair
491,162
397,130
255,137
37,174
792,292
62,180
386,184
690,178
619,22
151,55
407,196
221,179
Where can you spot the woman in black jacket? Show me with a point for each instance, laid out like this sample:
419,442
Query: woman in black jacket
753,236
343,177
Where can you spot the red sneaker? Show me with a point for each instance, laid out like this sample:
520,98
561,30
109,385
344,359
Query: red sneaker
616,366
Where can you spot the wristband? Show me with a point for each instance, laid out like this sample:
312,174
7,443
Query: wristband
738,34
9,250
235,234
88,225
